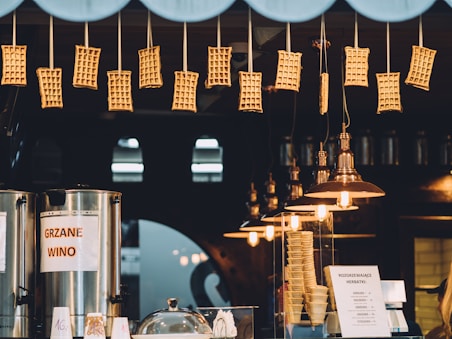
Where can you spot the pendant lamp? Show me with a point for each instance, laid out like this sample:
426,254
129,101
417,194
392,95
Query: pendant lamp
258,223
345,181
295,188
319,205
253,229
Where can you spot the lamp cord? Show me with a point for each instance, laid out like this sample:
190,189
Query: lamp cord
345,113
292,131
269,126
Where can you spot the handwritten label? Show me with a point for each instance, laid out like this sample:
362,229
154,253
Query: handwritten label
69,242
359,299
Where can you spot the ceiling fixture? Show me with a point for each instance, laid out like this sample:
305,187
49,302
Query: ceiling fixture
276,215
257,223
321,206
253,229
345,183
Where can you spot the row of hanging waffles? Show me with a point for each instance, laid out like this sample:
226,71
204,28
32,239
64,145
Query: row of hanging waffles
218,74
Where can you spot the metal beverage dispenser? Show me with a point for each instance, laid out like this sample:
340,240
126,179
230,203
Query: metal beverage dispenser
80,233
17,262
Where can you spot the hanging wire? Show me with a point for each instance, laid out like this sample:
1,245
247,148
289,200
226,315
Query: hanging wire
249,146
345,113
327,130
292,131
324,58
323,64
269,127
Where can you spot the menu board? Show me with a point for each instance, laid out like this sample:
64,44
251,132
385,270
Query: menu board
359,300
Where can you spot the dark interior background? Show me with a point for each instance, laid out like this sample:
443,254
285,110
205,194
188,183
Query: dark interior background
86,132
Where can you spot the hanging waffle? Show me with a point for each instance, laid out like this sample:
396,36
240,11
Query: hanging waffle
50,87
14,69
150,75
120,91
184,97
324,92
250,96
421,66
389,92
288,73
356,66
86,67
218,67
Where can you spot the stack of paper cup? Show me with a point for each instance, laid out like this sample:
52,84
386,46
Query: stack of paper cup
94,326
307,243
316,304
120,328
61,324
293,298
329,283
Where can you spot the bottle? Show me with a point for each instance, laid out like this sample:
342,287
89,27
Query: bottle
420,152
389,148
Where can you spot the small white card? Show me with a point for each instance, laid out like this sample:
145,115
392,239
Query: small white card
359,300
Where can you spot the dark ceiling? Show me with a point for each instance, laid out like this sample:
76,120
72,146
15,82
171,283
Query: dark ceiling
420,106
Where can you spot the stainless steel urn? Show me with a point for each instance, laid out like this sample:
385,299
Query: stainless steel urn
80,240
17,263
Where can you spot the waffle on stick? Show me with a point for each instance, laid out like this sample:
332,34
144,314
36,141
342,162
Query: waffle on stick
324,92
250,96
86,67
150,72
120,91
14,68
50,87
184,96
218,67
288,72
388,92
421,66
356,66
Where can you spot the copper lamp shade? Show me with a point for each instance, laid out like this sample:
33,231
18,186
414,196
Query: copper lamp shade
345,178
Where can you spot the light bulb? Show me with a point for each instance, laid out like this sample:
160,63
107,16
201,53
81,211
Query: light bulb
253,239
294,222
320,212
269,233
345,200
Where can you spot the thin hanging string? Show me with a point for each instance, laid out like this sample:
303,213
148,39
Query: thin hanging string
250,42
288,46
150,42
327,132
421,34
246,131
269,125
86,35
356,30
218,32
388,53
323,46
14,28
119,44
184,49
292,131
51,42
345,113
